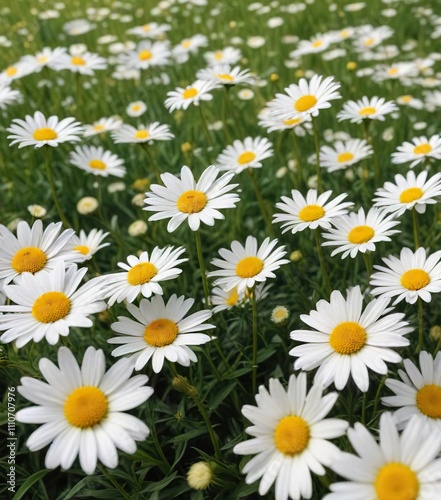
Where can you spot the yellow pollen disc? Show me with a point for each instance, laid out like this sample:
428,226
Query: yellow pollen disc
317,44
406,98
11,71
225,76
142,134
186,44
392,71
344,157
344,33
311,213
42,59
85,407
99,127
189,93
249,267
415,279
136,107
411,194
367,111
218,55
82,249
191,202
305,102
396,481
141,273
291,435
146,27
428,400
360,234
51,307
29,260
145,55
78,61
292,121
369,42
347,337
97,164
161,332
422,149
44,134
246,157
233,297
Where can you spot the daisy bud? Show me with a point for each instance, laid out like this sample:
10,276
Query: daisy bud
435,332
141,185
182,384
274,77
351,66
200,475
137,228
186,147
87,205
279,314
138,200
295,256
37,211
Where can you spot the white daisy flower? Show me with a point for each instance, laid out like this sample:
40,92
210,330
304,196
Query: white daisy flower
395,71
150,30
223,300
418,150
46,57
290,437
8,96
142,275
225,75
358,232
229,55
418,392
188,46
408,100
414,275
84,64
306,98
136,108
14,72
143,134
82,410
244,266
408,192
399,467
248,153
311,212
94,160
78,27
367,37
185,199
34,250
300,126
344,154
162,331
146,55
101,126
38,131
347,341
366,109
88,244
192,94
318,43
48,304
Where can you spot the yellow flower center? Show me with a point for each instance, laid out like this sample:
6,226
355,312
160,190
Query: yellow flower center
344,157
344,33
392,71
415,279
317,44
233,297
44,134
97,164
406,98
396,481
29,260
51,307
367,111
225,76
360,234
249,267
141,273
218,55
11,71
161,332
347,337
422,149
191,202
186,44
428,400
85,407
82,249
305,102
189,93
291,435
99,127
311,213
146,27
145,55
78,61
292,121
369,42
142,134
136,107
246,157
42,59
411,194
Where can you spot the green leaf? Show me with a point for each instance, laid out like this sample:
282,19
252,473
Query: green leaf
30,481
159,485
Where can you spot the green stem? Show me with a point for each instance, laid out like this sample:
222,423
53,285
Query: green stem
155,168
254,359
50,177
369,140
367,261
202,268
298,159
415,228
377,395
204,126
363,408
224,114
420,326
210,429
317,155
112,480
260,200
322,261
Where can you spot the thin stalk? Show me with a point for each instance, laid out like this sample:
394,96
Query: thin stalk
437,348
202,268
377,395
204,126
363,408
112,480
377,172
322,261
367,261
155,168
231,108
50,177
210,429
298,159
224,114
260,200
254,358
317,155
420,326
415,228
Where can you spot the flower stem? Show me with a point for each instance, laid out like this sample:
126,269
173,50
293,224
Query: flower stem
420,326
260,200
224,114
112,480
298,159
368,138
322,261
204,126
317,155
202,268
155,168
363,408
415,228
50,177
254,359
210,429
367,261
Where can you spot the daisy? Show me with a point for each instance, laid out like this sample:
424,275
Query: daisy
192,94
46,57
300,126
408,100
248,153
310,212
225,75
222,300
34,250
318,43
143,134
367,37
414,275
395,72
185,199
306,98
418,150
142,274
136,108
84,64
48,304
289,437
147,55
8,96
400,467
150,30
347,341
366,109
96,161
14,72
88,244
188,46
162,331
244,266
82,410
101,126
78,27
358,232
229,55
418,392
344,154
38,131
409,192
